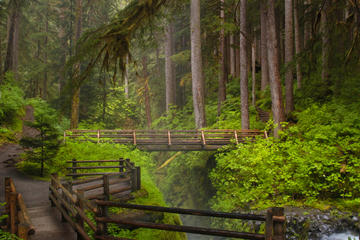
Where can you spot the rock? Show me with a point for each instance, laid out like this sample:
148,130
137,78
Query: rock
313,224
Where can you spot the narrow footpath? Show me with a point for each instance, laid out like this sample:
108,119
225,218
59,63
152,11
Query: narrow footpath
45,219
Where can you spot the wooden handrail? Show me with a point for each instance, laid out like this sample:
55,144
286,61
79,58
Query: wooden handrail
17,210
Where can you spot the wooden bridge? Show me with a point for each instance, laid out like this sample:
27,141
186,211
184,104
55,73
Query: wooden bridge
168,140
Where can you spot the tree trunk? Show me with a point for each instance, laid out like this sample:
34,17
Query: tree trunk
63,41
244,92
11,59
75,101
264,57
196,66
222,63
146,92
289,55
253,72
232,56
307,23
45,82
170,81
126,79
325,43
297,43
274,69
237,42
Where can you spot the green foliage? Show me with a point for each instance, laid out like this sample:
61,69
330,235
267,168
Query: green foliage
7,236
315,160
44,144
11,100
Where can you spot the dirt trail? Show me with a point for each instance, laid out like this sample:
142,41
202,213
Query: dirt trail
45,219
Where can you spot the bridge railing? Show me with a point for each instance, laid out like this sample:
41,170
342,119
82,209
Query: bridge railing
274,221
73,206
18,221
165,137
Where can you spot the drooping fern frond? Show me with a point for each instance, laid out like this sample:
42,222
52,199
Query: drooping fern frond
109,45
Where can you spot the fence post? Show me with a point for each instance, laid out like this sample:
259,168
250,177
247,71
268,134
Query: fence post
121,166
64,197
80,204
138,178
53,184
269,225
278,223
133,179
74,170
106,187
23,231
7,199
13,212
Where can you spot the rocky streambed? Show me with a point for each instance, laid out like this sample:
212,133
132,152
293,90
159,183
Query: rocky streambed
314,224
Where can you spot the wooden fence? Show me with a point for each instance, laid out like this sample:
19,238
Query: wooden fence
171,140
18,221
274,221
126,169
73,205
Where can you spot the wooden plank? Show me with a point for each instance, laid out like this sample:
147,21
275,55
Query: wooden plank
25,214
13,212
114,191
195,212
94,161
92,167
100,185
110,238
94,174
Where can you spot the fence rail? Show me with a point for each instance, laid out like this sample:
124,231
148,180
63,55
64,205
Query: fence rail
18,221
274,221
167,139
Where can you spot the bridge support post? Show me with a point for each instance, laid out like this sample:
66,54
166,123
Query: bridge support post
278,223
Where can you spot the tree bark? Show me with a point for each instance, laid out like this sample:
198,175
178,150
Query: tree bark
297,44
170,80
222,61
325,43
146,92
253,72
274,69
75,101
196,66
289,55
11,60
126,79
244,92
232,56
237,42
264,57
307,23
45,82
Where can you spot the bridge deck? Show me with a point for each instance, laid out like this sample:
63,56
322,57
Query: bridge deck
167,140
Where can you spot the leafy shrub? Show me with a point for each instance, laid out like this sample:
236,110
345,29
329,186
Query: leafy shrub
317,159
11,100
